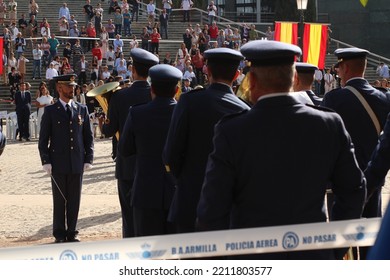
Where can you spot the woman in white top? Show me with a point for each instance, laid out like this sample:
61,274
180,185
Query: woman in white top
43,99
12,62
104,40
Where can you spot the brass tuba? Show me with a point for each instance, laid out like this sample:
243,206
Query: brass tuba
103,95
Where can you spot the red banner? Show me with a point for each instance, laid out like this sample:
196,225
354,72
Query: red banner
315,40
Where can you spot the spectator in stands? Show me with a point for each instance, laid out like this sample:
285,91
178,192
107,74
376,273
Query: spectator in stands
72,22
57,63
383,70
98,12
88,12
50,74
13,80
124,6
221,38
67,52
118,43
64,11
94,70
13,10
133,43
198,62
43,99
105,74
83,41
135,10
164,17
145,35
190,75
213,31
104,41
65,67
110,27
182,52
168,59
73,33
45,47
121,69
45,30
203,42
7,41
317,81
22,24
155,41
245,32
186,85
269,33
113,6
81,69
118,19
97,52
22,69
3,9
91,33
33,8
77,52
151,11
20,44
110,58
54,44
187,39
186,6
37,56
63,26
79,95
32,27
126,23
167,5
253,33
236,38
212,11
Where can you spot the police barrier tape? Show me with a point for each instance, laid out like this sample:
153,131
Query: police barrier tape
338,234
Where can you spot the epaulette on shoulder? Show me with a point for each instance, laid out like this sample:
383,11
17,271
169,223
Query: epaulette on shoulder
233,115
321,108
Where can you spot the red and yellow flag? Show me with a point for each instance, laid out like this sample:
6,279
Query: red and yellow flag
286,32
1,55
315,39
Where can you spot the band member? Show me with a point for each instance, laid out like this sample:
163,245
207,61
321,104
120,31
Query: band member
304,80
138,92
66,150
144,135
243,186
191,132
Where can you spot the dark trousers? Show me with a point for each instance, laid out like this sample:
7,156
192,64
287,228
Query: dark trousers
186,15
24,123
124,191
65,213
151,222
135,13
82,78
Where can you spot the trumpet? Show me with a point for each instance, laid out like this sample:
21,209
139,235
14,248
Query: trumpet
103,94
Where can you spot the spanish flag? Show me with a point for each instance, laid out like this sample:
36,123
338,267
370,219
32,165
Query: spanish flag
364,2
286,32
315,39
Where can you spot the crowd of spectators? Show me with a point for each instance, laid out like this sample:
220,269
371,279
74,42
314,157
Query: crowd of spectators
50,55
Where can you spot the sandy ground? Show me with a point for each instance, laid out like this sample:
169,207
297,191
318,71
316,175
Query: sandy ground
26,201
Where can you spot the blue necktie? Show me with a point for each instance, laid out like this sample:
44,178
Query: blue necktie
68,111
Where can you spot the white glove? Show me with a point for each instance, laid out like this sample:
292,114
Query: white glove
87,166
47,168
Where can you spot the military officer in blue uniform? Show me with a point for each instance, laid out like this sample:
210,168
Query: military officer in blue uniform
66,150
304,80
121,101
360,125
144,136
191,131
271,165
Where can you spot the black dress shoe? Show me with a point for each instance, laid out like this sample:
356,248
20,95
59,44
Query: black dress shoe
59,240
72,239
28,139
